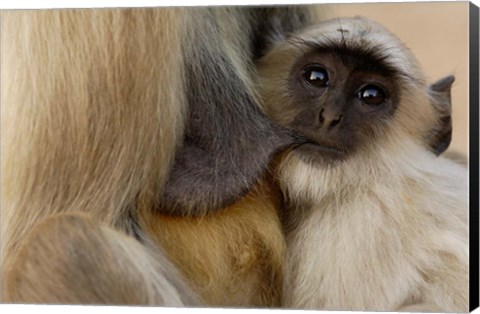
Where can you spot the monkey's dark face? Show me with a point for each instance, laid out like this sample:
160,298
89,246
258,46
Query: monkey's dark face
358,95
351,87
339,100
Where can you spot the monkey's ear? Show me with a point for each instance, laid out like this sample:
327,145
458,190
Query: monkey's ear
440,95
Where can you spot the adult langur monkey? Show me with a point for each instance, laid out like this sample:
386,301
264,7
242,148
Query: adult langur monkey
112,117
373,220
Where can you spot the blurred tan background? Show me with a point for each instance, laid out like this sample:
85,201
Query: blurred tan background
437,33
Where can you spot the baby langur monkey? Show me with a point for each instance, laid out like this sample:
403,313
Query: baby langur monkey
373,219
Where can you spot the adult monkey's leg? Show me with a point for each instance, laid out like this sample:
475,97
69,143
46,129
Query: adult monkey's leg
69,258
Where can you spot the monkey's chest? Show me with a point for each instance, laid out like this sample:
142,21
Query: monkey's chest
349,259
233,258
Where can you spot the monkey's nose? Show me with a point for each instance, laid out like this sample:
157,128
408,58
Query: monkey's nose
329,120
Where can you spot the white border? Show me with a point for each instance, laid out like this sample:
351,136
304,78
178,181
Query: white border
81,309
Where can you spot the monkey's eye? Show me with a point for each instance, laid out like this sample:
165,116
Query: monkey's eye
372,95
316,75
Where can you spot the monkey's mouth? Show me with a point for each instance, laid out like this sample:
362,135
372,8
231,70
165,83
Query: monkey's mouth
318,149
314,150
322,148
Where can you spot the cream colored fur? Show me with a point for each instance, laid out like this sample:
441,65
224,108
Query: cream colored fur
52,65
381,232
90,119
386,229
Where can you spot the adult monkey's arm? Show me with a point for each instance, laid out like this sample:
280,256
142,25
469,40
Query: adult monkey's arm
228,141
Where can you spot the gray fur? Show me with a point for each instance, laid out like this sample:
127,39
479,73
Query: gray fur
228,140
